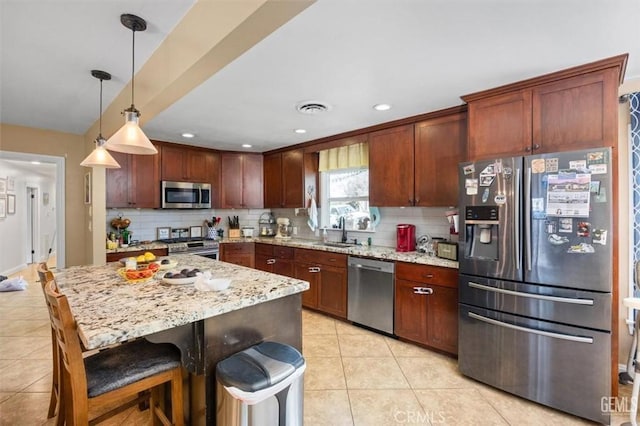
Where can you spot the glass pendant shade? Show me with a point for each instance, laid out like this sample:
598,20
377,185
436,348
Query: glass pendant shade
130,138
100,157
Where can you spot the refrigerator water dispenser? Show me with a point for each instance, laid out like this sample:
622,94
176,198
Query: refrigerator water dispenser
482,230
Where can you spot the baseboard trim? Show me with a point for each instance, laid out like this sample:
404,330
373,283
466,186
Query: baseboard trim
14,269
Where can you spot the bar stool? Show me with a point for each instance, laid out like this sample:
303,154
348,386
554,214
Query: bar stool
634,303
113,374
55,402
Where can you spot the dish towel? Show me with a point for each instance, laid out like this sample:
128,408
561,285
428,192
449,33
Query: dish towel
313,215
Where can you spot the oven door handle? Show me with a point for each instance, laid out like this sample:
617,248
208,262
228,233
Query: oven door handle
531,295
561,336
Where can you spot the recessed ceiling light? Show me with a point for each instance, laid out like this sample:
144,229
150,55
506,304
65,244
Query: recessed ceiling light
188,135
36,162
300,131
246,145
382,107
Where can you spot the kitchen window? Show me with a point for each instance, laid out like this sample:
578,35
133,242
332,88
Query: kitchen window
345,195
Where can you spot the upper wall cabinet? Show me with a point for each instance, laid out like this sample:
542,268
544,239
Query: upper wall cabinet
417,165
568,110
136,184
288,176
241,180
440,145
391,167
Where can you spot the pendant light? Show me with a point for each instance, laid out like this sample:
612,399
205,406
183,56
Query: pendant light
130,138
100,157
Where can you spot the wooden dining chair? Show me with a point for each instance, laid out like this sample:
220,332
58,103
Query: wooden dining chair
55,401
111,375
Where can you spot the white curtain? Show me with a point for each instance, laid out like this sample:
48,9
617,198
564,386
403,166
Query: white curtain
345,157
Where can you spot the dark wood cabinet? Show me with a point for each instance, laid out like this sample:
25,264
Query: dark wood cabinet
327,275
288,177
112,257
417,164
438,148
183,163
275,259
426,305
568,110
136,184
241,180
242,254
391,167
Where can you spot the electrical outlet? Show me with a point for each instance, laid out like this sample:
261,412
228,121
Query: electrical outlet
295,230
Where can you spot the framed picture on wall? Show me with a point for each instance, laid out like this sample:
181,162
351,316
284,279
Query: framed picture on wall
3,186
11,204
3,207
11,184
87,188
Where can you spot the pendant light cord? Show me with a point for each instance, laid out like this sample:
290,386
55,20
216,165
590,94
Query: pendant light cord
100,130
133,60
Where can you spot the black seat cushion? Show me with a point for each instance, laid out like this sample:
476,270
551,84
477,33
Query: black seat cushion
128,363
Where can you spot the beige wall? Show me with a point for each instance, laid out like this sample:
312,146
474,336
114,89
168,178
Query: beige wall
73,148
625,228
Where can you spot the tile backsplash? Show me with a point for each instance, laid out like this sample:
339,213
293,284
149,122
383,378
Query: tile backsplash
144,223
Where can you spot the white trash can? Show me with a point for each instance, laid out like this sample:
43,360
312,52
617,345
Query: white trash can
260,386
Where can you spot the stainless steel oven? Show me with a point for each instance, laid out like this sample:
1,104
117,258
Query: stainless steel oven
198,246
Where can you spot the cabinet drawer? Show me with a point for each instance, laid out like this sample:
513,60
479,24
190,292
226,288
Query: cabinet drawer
237,248
427,274
283,252
264,249
321,257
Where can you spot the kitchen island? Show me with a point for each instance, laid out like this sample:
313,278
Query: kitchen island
207,326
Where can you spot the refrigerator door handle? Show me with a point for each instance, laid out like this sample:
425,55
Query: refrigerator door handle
532,296
527,217
516,217
569,337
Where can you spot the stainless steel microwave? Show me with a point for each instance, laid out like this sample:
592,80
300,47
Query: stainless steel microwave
186,195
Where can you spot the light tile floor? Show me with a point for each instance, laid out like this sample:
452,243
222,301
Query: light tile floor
354,377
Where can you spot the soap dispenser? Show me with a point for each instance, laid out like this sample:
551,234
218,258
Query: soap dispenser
325,235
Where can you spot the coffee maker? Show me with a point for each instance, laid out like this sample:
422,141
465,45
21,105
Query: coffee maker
405,238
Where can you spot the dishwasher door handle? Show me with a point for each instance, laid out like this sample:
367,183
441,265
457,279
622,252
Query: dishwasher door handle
372,268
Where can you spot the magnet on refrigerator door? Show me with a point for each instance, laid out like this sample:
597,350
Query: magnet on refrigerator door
600,237
594,187
565,224
551,165
537,165
579,165
598,169
469,169
486,180
584,229
485,195
471,185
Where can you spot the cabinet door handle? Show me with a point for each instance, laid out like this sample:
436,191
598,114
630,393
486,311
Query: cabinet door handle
314,269
428,276
271,261
536,146
423,290
416,201
528,149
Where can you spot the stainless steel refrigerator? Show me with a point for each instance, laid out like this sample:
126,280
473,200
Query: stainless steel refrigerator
536,278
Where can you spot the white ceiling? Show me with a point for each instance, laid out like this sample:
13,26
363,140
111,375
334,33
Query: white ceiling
417,55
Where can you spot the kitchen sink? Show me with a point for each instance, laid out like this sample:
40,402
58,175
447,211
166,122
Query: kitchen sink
336,244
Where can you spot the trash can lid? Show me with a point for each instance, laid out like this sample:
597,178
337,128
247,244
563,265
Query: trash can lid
259,366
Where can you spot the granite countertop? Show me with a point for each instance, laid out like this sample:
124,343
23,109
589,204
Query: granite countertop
110,310
376,252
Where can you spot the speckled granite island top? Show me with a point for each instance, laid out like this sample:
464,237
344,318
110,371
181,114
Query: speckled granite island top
109,310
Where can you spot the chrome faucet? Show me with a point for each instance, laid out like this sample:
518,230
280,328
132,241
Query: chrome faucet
343,226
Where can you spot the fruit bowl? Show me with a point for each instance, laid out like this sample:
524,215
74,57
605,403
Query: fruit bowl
136,276
166,266
180,277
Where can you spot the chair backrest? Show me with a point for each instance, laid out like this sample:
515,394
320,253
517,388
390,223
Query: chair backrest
64,325
44,273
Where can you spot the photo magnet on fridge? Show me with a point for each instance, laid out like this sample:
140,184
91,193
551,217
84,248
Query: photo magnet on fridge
471,186
584,229
469,169
600,236
486,180
565,224
596,158
551,165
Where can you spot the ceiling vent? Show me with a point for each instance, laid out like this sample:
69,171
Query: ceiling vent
312,107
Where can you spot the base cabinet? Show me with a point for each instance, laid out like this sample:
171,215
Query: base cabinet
426,306
274,259
327,276
238,253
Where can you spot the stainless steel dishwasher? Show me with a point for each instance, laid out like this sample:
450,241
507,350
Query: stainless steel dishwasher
370,293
